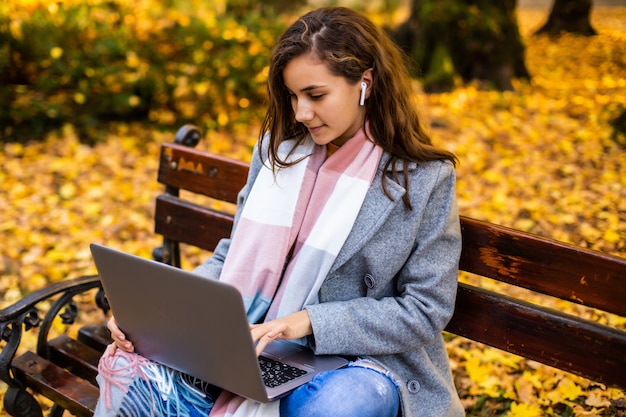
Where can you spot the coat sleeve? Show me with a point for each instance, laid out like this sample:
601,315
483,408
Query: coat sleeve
421,287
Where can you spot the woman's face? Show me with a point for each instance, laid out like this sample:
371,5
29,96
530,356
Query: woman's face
325,103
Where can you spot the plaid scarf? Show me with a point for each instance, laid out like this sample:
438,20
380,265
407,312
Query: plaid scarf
296,221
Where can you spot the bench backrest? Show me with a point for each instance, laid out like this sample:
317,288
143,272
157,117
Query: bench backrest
570,273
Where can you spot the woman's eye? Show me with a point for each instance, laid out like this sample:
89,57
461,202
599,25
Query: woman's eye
316,96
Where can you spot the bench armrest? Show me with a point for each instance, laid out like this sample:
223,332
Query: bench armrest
24,316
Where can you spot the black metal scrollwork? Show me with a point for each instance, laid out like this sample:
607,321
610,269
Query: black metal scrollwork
18,402
24,316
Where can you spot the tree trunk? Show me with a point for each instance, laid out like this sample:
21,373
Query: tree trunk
242,8
569,16
463,39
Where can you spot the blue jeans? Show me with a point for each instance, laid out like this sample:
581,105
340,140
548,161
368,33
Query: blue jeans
347,392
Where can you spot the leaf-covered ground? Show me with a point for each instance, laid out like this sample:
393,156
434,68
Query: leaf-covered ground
543,159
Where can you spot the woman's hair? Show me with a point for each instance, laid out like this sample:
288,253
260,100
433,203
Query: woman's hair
350,44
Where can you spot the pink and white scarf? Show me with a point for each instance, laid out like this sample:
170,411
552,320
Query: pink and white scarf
310,207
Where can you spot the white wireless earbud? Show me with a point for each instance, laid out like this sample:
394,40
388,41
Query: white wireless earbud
363,90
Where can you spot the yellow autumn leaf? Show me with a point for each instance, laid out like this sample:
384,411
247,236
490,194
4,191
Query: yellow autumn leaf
526,387
580,411
565,390
67,190
80,98
596,398
524,410
134,101
56,52
612,236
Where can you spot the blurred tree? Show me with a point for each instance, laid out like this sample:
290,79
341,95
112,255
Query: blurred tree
264,7
466,39
569,16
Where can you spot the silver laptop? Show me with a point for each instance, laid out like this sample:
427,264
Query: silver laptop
198,326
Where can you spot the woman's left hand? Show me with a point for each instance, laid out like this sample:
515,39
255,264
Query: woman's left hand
293,326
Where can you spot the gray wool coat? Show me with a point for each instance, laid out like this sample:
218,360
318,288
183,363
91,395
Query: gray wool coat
392,288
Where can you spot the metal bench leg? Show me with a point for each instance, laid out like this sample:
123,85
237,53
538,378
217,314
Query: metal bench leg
19,403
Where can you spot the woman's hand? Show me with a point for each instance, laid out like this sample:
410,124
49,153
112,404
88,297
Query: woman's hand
293,326
119,338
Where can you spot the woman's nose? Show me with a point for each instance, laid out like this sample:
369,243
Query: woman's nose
304,113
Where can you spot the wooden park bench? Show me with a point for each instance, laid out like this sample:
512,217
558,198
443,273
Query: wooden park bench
63,368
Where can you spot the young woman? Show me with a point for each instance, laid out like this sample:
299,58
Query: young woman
363,258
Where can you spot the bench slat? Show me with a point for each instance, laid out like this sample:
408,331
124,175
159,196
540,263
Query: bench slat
69,391
201,173
579,275
190,223
541,334
75,356
96,336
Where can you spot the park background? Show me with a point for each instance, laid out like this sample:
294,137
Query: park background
109,81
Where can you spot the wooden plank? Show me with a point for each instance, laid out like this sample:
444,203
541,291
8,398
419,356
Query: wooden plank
68,391
75,356
199,172
563,341
550,267
96,336
187,222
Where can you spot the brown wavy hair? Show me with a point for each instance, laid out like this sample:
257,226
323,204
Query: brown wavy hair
350,44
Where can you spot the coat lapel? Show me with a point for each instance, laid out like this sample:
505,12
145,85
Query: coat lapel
375,210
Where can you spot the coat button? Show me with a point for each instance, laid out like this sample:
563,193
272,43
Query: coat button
413,386
369,281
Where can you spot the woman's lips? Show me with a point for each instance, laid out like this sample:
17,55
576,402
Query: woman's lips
314,129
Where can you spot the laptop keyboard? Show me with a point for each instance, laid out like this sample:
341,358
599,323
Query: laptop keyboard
276,373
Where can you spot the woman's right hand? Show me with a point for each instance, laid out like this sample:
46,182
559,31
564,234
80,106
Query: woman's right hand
119,338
